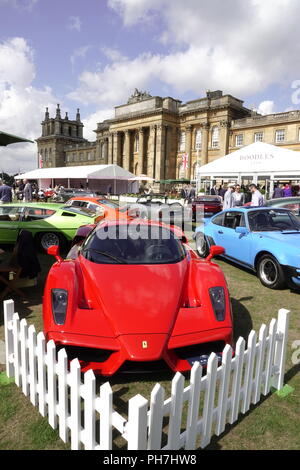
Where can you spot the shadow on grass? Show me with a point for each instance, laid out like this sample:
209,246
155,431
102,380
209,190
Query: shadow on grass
33,295
242,322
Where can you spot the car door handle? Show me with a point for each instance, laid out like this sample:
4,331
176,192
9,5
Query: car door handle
220,231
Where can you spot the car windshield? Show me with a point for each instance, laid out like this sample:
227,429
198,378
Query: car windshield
273,220
108,203
133,244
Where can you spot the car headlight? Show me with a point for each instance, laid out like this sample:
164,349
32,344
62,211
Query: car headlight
217,297
59,305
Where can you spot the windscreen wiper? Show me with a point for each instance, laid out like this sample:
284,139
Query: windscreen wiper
108,255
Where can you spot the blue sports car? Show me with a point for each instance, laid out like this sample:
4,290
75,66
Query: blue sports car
264,239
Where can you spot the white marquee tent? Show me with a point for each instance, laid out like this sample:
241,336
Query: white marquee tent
98,177
258,161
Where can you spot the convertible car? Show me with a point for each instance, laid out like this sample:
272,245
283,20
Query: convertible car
50,224
158,207
135,297
99,203
265,239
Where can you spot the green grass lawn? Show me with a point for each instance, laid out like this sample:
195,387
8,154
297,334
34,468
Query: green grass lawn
273,424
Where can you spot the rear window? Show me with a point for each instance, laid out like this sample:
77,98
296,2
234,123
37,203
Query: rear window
133,244
78,211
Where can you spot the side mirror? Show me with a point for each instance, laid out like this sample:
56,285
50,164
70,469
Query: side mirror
54,251
215,250
242,230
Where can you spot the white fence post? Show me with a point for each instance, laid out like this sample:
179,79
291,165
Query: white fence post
175,411
9,307
237,379
89,410
224,388
51,383
248,379
137,423
156,417
41,373
106,411
24,355
212,366
193,410
17,354
75,418
62,407
280,348
270,355
32,363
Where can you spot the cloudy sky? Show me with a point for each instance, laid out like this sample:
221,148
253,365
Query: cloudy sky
92,54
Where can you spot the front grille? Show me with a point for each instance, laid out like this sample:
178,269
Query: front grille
87,354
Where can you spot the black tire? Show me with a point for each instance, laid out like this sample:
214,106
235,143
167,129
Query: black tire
270,272
46,239
202,245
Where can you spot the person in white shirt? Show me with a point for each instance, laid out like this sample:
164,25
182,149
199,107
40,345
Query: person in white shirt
238,197
257,198
228,198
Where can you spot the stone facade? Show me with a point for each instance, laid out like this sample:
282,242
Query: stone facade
150,134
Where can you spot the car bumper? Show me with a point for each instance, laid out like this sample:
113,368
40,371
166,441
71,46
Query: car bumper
292,276
106,356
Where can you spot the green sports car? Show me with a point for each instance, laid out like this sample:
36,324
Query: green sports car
50,224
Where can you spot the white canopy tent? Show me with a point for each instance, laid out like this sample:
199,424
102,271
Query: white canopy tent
98,177
255,161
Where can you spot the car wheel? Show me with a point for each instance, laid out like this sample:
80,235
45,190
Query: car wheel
270,272
202,245
47,239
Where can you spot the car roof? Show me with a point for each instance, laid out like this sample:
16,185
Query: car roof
252,208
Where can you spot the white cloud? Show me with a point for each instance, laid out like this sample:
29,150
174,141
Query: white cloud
21,104
90,123
112,54
239,47
266,107
74,23
79,53
20,4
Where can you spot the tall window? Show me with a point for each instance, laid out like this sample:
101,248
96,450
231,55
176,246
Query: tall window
239,140
215,137
280,135
182,142
136,142
258,137
198,143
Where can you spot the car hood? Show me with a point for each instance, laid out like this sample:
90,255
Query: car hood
122,293
291,238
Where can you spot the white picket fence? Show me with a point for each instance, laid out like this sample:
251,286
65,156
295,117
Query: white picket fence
192,414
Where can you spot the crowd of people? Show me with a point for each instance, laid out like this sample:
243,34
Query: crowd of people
22,190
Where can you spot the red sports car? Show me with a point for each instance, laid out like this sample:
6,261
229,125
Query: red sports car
134,296
211,205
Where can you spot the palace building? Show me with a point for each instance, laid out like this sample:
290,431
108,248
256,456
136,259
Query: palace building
163,137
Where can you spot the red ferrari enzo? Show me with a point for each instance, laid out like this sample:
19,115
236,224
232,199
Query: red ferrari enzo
134,296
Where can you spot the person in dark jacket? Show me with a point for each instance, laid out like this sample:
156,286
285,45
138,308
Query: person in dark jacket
278,192
5,193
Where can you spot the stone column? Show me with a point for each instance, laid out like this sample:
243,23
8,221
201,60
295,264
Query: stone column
110,148
160,151
204,147
141,150
116,148
126,163
151,151
224,138
188,149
